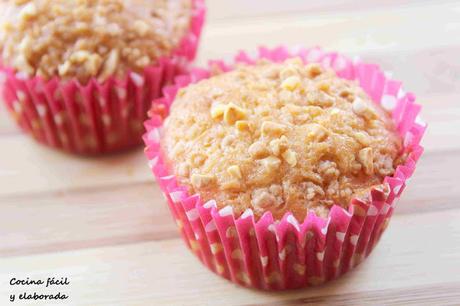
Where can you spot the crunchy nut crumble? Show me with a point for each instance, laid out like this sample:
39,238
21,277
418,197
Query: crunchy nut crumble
89,38
279,137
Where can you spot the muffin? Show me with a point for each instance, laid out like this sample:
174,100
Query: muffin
288,168
80,74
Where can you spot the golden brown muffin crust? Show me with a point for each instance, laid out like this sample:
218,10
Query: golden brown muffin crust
279,137
89,38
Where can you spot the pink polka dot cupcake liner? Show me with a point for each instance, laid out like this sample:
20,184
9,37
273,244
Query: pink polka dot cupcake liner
282,254
98,117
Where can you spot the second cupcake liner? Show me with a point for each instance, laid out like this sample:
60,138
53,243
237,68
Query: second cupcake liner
96,117
290,253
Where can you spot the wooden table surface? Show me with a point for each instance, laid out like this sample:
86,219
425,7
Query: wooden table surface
102,223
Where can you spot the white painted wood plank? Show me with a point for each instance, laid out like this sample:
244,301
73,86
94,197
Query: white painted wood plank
355,32
238,9
414,261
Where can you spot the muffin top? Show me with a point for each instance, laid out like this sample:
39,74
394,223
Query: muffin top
89,38
279,137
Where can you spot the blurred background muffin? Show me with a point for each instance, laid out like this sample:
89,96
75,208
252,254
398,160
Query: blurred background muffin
95,40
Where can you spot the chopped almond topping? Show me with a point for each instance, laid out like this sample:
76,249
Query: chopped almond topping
290,157
366,158
75,39
291,83
314,70
362,109
217,111
258,150
279,145
243,126
270,128
201,180
233,113
235,172
279,137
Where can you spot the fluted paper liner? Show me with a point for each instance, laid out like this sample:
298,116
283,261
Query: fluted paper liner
96,117
290,253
